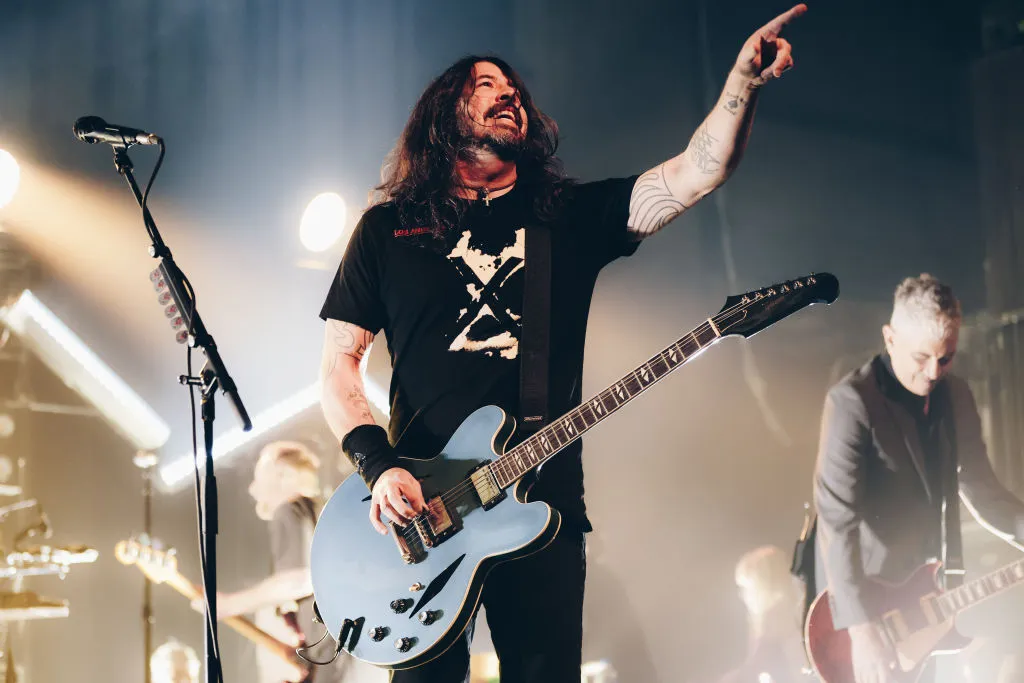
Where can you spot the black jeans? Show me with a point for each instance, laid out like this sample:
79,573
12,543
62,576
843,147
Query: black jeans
535,613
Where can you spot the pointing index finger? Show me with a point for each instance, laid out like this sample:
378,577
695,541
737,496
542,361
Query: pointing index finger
775,26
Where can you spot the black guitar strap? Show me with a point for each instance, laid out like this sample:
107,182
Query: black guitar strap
952,536
534,343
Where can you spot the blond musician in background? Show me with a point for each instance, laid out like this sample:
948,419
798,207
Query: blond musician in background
286,489
174,662
774,600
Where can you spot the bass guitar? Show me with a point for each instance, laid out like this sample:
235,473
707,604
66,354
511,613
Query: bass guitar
277,657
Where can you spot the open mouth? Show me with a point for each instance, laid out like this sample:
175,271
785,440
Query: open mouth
508,115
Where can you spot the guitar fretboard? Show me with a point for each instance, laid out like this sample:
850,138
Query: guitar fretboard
971,593
536,449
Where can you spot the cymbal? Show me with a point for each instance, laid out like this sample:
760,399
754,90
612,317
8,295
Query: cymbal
59,555
26,606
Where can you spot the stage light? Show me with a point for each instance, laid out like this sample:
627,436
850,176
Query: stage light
179,469
323,221
10,174
83,371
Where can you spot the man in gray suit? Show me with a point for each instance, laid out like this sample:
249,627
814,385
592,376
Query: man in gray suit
899,436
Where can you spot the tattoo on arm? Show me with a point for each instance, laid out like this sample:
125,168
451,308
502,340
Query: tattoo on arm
652,203
346,339
734,103
358,400
700,151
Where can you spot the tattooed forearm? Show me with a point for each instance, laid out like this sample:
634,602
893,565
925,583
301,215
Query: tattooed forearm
351,340
652,204
733,103
342,397
344,341
357,399
700,151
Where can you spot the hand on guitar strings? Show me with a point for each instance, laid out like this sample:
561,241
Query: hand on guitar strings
398,495
874,660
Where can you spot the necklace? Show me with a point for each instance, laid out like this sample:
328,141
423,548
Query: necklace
484,192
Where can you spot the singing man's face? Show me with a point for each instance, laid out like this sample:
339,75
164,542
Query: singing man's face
493,113
920,355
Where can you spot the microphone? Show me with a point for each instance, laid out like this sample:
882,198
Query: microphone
93,129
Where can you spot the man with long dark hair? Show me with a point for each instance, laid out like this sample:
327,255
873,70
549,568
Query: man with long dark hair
438,264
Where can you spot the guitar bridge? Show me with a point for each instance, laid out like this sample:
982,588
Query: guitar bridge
436,523
411,554
486,487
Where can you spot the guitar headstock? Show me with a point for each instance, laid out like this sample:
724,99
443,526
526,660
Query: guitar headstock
158,564
747,314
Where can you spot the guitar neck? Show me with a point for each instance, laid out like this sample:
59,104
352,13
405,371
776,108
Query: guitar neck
971,593
540,447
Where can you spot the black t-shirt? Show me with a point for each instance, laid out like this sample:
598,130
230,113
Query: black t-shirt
451,310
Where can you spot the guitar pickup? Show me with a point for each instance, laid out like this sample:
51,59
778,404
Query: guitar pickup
486,487
436,523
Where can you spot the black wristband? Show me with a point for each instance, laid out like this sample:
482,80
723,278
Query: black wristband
368,448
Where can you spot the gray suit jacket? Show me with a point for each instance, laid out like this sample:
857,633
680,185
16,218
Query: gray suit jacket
872,493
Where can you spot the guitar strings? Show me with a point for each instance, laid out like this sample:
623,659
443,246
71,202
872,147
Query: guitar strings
466,486
409,531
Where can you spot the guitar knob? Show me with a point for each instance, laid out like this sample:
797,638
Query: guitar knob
403,644
428,617
377,633
401,605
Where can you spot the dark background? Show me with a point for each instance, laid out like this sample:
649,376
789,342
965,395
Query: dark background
864,162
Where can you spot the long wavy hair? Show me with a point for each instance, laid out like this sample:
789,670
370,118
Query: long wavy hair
419,173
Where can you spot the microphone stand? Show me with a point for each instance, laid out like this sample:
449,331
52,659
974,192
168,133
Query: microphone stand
146,461
213,376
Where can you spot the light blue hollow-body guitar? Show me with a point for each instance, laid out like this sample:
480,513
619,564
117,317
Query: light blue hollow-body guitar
400,600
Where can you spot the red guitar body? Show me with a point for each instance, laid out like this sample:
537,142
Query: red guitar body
903,620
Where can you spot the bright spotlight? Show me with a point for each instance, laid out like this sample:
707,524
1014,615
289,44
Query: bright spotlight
322,222
9,176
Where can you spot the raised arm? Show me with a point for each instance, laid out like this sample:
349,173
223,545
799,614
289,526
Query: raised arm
667,190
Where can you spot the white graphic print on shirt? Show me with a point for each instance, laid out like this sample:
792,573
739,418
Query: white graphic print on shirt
488,324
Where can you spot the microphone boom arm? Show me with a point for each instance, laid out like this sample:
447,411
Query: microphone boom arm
182,294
